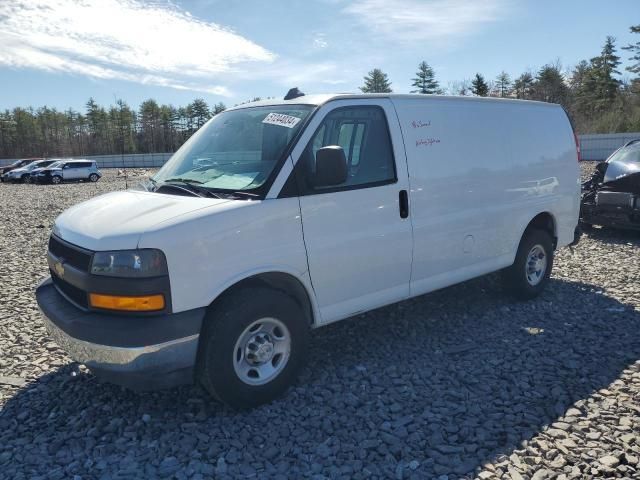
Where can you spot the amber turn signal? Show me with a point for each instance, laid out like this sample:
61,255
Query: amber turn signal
130,304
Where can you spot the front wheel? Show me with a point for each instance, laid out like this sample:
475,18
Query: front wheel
93,177
56,179
252,346
530,272
26,179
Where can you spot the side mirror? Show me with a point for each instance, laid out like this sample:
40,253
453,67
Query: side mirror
331,167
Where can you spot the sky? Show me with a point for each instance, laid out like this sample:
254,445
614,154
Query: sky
61,52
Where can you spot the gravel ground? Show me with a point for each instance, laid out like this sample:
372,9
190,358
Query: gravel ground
429,388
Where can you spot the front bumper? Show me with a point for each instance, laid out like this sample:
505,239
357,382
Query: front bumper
623,218
141,353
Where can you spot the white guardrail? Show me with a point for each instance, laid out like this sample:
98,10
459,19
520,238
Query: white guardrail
592,146
600,146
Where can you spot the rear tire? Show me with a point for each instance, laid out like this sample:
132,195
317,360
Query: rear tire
530,272
56,179
252,345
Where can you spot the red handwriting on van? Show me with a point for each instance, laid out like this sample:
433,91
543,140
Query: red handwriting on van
427,142
420,124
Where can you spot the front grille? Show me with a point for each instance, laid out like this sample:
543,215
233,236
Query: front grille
74,256
73,293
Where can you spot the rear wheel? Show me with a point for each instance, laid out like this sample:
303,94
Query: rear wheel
93,177
252,345
530,272
56,179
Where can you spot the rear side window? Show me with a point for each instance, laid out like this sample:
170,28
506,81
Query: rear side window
363,134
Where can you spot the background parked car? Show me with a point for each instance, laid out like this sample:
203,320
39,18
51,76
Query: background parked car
69,171
23,174
14,165
34,173
611,197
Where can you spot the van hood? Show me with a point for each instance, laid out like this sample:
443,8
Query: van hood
116,221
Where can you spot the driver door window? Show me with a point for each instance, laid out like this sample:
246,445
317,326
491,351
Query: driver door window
363,134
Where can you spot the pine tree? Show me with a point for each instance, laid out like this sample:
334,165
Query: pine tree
425,81
376,81
218,108
200,112
150,130
503,84
603,67
550,86
523,86
634,48
479,87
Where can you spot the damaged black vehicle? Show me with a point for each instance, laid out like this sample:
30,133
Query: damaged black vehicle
611,197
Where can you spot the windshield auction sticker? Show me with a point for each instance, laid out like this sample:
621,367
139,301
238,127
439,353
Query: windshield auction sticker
281,119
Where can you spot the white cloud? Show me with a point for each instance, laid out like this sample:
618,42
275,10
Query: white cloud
320,41
132,40
437,21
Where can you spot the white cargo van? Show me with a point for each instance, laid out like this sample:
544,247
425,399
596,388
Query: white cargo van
281,216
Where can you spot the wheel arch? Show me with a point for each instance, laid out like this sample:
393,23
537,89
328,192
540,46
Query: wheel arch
545,221
280,280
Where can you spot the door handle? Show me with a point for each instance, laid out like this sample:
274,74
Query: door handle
404,203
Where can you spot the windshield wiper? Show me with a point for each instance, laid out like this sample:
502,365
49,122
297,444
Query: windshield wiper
190,185
245,194
182,180
238,193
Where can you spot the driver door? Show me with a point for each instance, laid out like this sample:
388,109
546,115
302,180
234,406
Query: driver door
357,235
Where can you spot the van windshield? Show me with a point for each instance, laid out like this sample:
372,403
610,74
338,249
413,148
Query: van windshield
236,150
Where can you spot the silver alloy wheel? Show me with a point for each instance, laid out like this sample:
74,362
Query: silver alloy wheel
536,265
55,179
262,351
93,177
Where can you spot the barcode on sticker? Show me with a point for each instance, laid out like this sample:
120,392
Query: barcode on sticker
281,119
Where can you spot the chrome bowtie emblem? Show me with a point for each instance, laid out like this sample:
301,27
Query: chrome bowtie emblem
59,268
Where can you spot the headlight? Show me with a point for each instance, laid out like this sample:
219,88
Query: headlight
147,262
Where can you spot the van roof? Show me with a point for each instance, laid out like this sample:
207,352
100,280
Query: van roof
320,99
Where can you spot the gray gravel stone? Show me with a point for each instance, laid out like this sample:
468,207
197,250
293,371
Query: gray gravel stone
460,383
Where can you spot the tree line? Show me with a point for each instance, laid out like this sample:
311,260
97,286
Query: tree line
153,128
594,97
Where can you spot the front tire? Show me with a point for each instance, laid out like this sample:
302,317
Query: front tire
56,179
530,272
26,179
93,177
252,345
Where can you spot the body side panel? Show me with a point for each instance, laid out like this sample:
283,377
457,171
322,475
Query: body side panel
479,172
208,253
